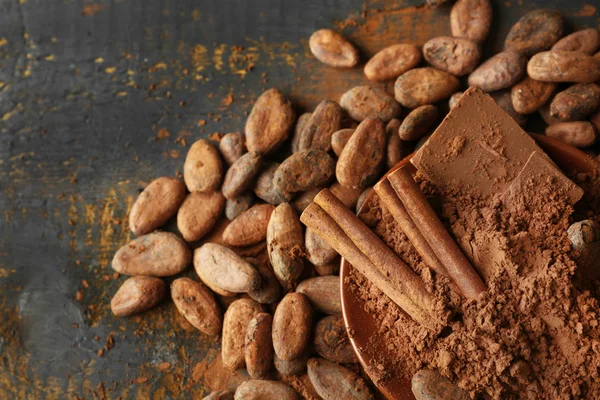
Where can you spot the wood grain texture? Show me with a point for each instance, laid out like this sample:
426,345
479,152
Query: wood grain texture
99,98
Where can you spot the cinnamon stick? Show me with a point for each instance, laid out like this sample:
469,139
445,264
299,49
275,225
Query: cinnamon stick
376,251
323,225
435,233
390,200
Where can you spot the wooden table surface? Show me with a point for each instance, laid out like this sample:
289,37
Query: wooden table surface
99,98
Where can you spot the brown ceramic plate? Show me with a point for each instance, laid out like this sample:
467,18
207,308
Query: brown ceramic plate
362,325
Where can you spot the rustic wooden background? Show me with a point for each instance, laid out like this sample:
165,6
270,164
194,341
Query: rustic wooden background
99,98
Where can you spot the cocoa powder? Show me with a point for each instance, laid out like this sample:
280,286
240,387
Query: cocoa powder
533,334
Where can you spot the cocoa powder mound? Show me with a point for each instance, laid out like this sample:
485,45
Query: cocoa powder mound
533,334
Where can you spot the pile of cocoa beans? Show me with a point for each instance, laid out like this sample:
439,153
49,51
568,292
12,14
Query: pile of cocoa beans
270,287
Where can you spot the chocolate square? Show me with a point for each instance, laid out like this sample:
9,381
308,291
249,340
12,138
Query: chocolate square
478,148
539,173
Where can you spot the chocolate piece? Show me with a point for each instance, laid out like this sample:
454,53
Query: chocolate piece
536,173
478,148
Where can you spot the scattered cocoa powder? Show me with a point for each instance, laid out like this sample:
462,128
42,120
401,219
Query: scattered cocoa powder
302,385
217,376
